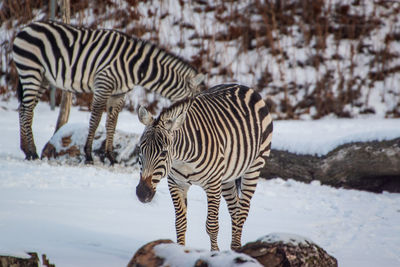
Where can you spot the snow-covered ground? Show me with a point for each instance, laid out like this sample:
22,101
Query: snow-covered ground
89,215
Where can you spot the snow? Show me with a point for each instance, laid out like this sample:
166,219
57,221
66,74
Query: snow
322,136
177,256
82,215
285,238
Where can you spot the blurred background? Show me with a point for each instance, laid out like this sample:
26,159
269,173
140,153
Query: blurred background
308,58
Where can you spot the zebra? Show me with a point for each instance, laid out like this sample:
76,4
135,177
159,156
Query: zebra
219,140
106,62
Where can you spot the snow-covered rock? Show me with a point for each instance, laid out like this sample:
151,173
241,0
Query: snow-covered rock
282,249
27,260
166,253
273,250
68,143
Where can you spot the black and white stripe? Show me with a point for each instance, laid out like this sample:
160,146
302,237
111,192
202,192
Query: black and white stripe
219,140
105,62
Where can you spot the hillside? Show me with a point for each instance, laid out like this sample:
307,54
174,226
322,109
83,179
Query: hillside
309,59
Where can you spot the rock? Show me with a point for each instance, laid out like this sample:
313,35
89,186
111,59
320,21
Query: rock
167,253
68,143
9,261
32,261
287,250
372,166
50,151
146,256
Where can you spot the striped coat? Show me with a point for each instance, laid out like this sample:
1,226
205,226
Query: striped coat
218,140
107,63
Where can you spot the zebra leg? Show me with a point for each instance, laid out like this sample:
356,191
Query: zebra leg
27,142
247,189
99,104
179,198
44,86
30,94
230,194
213,201
114,107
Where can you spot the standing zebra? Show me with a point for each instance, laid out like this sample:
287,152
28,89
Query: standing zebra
218,140
105,62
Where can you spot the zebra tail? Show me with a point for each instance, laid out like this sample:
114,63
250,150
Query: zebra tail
238,183
20,91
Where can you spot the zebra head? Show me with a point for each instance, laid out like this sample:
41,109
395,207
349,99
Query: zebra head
156,147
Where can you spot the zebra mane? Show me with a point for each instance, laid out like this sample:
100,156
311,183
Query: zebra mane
134,38
184,104
174,110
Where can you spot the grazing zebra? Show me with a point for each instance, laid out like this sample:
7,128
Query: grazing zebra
218,140
105,62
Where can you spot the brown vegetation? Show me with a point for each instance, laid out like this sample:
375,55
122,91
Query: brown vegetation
278,32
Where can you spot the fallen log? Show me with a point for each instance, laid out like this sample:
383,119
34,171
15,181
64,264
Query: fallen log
372,166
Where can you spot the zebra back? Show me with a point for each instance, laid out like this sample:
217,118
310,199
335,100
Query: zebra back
73,58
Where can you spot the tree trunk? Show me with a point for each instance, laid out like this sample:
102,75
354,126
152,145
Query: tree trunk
66,98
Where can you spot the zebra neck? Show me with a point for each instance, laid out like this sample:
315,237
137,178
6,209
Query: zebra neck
184,149
160,71
183,145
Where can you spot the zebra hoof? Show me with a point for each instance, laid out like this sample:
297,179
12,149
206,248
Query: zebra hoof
111,158
31,156
235,248
89,160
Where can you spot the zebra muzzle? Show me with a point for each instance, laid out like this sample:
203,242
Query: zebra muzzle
144,192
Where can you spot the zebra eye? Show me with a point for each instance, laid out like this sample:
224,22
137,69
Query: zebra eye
163,153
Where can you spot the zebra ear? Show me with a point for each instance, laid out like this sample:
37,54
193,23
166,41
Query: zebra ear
144,116
198,79
175,123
